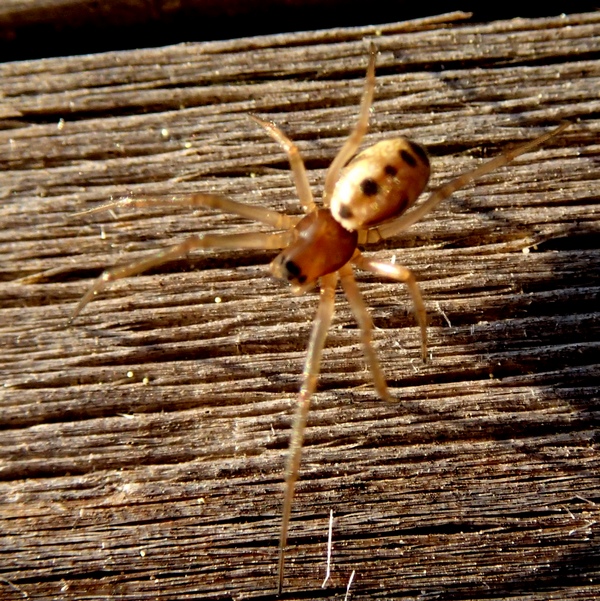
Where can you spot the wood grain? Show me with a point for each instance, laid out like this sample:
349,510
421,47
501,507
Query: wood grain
143,446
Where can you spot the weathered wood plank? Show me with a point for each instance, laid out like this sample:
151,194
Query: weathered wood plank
143,447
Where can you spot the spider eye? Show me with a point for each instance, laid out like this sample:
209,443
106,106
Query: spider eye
294,273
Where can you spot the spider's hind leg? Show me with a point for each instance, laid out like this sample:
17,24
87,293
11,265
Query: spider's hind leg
392,228
405,275
365,323
360,129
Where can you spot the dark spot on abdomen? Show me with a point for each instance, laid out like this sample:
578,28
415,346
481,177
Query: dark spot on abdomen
369,186
345,212
408,158
420,152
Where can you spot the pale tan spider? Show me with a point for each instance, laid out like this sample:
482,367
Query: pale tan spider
363,201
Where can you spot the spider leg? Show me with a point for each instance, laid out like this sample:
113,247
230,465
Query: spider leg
212,201
310,375
395,227
365,323
405,275
296,162
232,241
360,129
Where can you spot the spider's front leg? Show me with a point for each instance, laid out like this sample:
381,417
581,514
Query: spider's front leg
296,162
231,241
277,220
310,376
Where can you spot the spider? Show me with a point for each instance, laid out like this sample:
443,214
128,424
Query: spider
364,201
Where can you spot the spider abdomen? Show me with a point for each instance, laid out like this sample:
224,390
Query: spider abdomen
380,183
